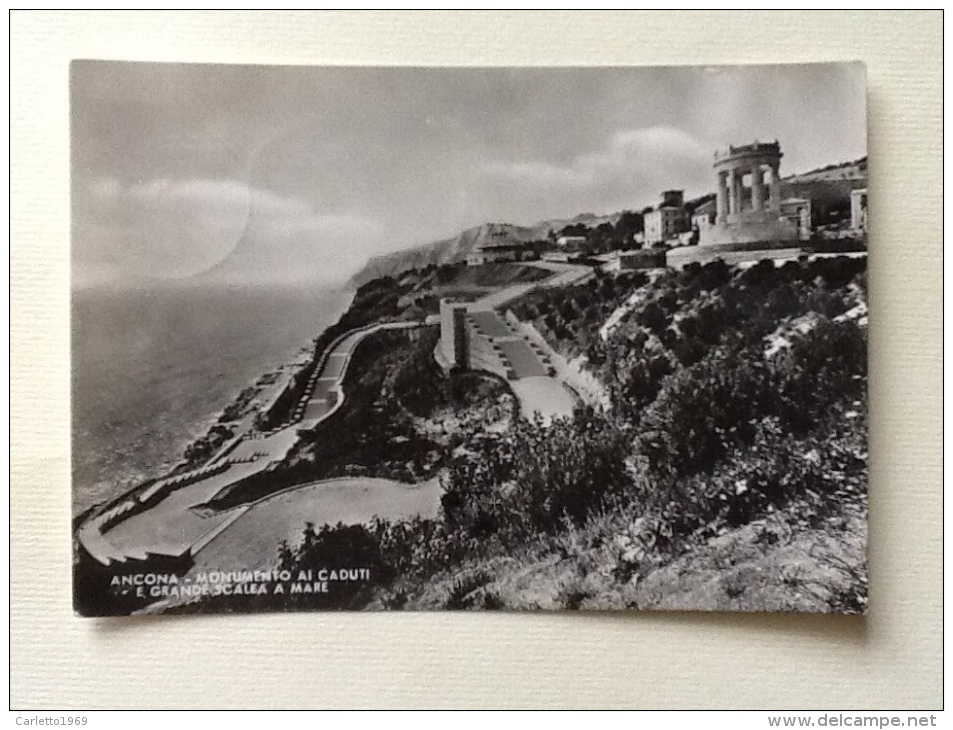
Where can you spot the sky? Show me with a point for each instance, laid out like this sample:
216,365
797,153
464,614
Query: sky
253,175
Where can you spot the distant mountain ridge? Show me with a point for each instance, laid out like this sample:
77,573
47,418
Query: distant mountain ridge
455,249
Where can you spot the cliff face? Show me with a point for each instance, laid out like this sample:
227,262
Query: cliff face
453,250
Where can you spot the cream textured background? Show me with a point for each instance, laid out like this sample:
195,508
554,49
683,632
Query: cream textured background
890,660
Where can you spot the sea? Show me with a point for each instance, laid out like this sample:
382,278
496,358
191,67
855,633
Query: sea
153,367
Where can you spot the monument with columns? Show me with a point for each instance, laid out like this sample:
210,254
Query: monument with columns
748,199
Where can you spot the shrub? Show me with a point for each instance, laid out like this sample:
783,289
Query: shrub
820,471
532,480
338,547
704,411
653,318
822,366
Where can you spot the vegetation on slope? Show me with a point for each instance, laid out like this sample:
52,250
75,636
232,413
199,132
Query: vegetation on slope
394,422
679,317
401,419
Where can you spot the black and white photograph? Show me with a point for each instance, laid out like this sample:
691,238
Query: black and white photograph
430,338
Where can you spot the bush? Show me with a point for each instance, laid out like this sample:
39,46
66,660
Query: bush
824,365
704,411
825,468
337,547
538,477
653,318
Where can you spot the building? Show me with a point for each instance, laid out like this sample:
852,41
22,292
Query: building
667,220
858,209
798,211
704,215
748,198
488,253
570,241
635,261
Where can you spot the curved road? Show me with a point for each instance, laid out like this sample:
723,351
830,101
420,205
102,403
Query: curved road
326,388
324,396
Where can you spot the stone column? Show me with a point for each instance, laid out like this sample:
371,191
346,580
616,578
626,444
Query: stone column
721,199
757,191
739,191
732,193
774,188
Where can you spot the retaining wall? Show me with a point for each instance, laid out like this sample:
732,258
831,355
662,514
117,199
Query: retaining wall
589,389
729,253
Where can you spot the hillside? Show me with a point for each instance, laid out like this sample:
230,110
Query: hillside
454,250
828,189
854,171
729,472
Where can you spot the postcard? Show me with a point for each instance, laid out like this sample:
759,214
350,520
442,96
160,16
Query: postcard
400,338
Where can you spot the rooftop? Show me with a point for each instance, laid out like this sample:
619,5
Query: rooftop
755,147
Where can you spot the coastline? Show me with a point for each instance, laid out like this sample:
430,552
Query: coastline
135,481
177,504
